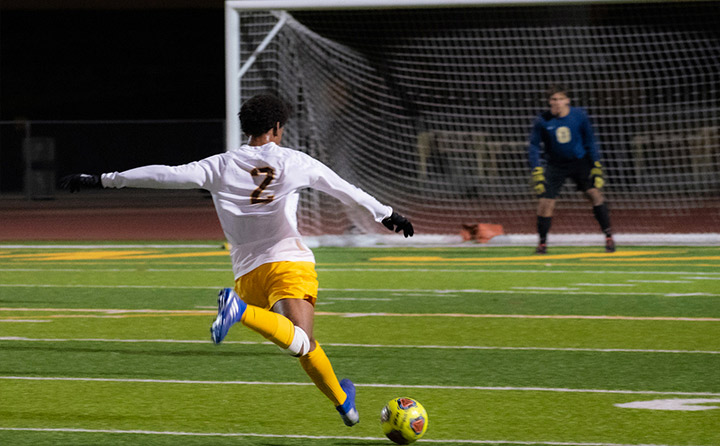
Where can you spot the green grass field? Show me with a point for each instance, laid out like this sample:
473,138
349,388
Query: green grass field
109,345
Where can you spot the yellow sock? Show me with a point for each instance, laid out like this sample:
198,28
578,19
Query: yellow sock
274,327
318,367
280,330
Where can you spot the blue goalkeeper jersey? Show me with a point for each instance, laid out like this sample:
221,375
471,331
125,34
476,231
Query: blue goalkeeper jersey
562,139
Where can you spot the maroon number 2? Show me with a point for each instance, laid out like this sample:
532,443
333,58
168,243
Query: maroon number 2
269,173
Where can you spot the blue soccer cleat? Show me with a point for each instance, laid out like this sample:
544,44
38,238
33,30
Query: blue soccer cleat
230,310
347,410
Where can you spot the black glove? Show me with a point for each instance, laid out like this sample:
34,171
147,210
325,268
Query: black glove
397,223
78,181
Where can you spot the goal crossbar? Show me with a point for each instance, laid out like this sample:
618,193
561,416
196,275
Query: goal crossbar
265,5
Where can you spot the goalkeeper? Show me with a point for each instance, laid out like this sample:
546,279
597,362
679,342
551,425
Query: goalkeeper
566,137
255,192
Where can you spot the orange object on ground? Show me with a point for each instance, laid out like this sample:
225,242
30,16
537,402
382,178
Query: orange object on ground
481,232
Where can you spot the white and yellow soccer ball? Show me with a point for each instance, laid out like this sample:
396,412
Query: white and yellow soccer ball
404,420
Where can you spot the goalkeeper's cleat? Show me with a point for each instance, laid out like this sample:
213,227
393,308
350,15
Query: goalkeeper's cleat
347,410
541,249
230,310
609,244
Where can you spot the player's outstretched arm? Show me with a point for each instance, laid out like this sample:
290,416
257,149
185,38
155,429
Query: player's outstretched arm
397,223
78,181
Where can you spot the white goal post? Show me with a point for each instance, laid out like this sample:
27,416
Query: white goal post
427,104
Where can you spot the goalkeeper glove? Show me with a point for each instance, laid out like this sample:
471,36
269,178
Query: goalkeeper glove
78,181
596,175
538,180
397,223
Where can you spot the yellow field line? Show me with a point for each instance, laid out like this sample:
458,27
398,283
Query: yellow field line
598,262
534,258
662,259
108,255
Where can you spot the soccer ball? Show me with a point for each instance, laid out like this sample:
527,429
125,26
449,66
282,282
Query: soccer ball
403,420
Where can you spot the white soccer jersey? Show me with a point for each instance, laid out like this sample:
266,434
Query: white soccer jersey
255,191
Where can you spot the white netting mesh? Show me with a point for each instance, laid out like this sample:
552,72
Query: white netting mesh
430,110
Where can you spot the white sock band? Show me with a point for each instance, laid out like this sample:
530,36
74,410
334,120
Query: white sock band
300,344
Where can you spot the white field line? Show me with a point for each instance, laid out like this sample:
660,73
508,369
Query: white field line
523,271
380,290
66,270
28,321
527,316
605,284
109,270
109,310
420,294
660,281
343,344
373,385
118,313
307,437
556,292
363,299
175,287
157,246
695,275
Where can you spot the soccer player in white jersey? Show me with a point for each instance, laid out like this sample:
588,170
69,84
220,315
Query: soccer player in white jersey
255,189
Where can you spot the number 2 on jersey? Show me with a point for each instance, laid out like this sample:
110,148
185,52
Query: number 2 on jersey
269,173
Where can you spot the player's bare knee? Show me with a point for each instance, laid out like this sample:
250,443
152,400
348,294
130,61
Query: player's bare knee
595,196
546,206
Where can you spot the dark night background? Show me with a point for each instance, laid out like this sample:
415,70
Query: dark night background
111,60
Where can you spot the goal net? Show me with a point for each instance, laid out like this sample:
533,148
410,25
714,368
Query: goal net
429,109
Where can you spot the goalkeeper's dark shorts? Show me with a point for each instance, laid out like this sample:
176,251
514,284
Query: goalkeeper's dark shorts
557,172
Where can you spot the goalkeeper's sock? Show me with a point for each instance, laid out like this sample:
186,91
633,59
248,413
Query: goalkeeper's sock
543,227
602,215
318,367
273,326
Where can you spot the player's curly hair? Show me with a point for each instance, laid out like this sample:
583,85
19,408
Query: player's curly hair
556,88
260,113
